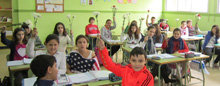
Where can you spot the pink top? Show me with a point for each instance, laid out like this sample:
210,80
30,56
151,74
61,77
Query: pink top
20,52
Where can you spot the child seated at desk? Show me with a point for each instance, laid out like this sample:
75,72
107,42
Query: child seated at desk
133,36
17,50
148,43
51,43
45,68
210,40
82,59
133,74
176,44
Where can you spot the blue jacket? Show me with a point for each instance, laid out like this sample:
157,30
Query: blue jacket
207,38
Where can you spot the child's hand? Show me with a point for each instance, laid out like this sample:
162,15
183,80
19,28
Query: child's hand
71,32
3,29
101,44
113,18
34,33
145,38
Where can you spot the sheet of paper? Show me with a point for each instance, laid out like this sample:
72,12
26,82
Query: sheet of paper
83,2
29,81
27,61
133,46
158,45
58,8
101,75
15,63
81,78
40,7
40,1
49,8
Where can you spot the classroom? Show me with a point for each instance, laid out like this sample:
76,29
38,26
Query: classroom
109,42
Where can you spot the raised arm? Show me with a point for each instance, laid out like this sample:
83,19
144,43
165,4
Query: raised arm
147,21
114,24
4,40
107,61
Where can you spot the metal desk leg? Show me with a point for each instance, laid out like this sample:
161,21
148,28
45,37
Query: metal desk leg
159,75
186,75
203,75
179,73
92,44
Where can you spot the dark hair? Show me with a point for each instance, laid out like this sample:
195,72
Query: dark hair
150,27
81,36
108,20
40,64
157,33
24,25
176,29
55,31
51,37
183,22
134,22
217,31
153,18
188,21
15,39
138,51
91,18
136,34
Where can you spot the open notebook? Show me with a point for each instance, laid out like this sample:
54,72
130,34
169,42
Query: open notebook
89,76
161,56
19,62
73,78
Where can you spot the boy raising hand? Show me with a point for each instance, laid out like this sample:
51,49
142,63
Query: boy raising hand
133,74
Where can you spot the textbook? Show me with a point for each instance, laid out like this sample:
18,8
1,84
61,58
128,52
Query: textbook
64,79
19,62
161,56
89,76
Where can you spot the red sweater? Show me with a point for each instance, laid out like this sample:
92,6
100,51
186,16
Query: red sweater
92,29
176,46
129,76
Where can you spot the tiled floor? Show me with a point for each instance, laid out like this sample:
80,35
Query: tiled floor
210,80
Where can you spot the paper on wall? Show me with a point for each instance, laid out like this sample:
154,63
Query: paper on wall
58,8
40,7
40,1
49,8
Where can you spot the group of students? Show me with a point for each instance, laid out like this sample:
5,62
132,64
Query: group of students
55,60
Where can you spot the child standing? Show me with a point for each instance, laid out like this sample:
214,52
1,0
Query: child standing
153,19
133,74
45,68
91,28
64,38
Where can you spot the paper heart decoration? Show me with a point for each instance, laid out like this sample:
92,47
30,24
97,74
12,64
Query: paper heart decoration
21,52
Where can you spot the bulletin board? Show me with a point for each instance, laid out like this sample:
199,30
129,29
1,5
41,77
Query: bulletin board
49,6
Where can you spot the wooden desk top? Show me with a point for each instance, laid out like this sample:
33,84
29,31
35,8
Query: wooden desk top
19,67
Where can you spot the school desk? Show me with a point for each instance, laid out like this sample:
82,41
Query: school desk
176,60
13,69
99,83
195,39
213,53
119,43
93,36
30,81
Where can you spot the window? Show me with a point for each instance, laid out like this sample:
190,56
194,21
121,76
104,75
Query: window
187,5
